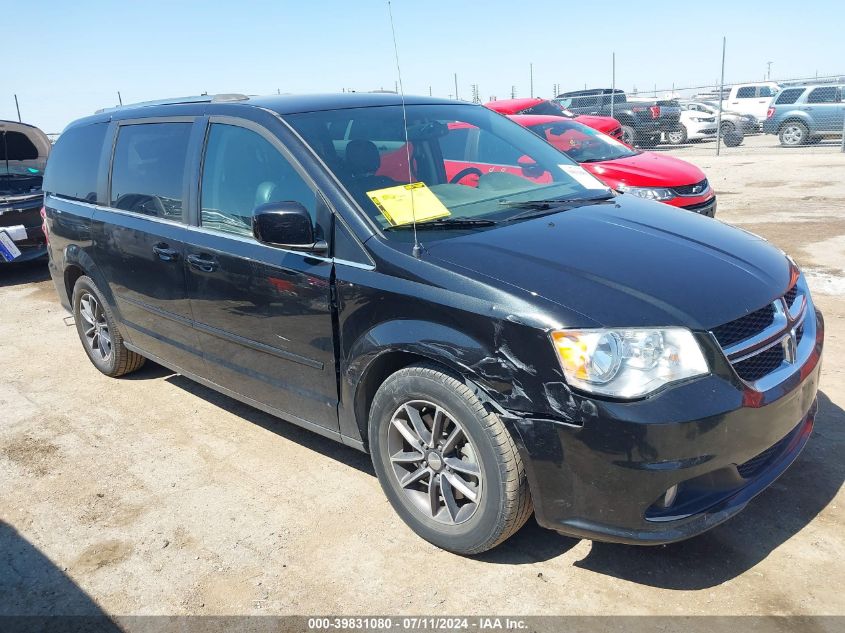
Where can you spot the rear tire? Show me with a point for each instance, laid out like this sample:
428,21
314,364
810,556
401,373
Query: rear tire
629,135
449,467
678,136
793,134
98,331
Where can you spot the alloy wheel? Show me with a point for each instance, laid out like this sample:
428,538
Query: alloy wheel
95,326
793,135
434,462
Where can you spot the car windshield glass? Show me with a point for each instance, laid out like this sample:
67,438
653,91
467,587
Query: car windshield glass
581,143
465,160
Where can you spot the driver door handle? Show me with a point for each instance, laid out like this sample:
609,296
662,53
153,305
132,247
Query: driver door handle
165,253
203,263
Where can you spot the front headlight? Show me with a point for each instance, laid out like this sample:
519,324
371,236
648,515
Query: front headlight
628,363
649,193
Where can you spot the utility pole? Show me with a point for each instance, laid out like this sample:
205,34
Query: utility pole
456,86
429,91
769,70
18,108
721,96
513,92
531,78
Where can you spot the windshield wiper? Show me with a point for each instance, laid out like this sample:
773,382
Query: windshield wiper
538,208
444,223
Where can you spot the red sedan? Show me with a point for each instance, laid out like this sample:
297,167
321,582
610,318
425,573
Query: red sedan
650,175
607,125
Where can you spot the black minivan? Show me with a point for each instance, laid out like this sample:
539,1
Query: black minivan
428,281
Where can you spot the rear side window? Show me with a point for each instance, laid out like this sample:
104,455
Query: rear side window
827,94
765,91
148,169
74,163
789,96
242,171
746,92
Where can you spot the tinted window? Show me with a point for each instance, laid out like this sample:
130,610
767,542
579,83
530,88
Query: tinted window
74,163
827,94
243,170
789,96
148,169
454,145
746,92
765,91
585,102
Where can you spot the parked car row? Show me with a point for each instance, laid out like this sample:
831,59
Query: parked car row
427,281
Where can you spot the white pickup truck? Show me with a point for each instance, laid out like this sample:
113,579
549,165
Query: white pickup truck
753,98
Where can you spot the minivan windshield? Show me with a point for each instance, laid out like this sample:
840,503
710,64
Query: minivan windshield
470,167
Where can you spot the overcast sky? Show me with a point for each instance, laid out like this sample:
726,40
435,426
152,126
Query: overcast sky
67,59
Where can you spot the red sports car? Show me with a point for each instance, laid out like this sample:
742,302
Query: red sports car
650,175
607,125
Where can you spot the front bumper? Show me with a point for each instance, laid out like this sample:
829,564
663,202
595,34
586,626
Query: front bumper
719,441
27,213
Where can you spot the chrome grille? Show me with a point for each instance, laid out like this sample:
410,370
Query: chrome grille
745,327
763,346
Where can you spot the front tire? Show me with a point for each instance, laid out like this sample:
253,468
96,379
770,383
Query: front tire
449,467
98,331
629,135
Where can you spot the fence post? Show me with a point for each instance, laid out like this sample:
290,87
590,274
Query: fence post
721,97
613,87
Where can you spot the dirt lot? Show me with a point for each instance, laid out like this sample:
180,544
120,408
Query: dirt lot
153,495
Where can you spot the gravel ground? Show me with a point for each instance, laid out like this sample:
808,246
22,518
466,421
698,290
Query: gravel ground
154,495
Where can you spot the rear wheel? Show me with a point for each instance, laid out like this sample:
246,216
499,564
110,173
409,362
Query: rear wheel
793,133
678,136
449,467
628,135
98,331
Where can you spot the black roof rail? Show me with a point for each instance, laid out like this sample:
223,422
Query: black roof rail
218,98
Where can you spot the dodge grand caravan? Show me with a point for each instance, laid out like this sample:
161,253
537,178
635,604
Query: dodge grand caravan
525,340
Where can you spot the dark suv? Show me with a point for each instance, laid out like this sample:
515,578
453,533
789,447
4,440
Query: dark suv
498,329
643,120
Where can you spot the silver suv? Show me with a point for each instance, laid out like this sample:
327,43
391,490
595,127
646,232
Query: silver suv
805,114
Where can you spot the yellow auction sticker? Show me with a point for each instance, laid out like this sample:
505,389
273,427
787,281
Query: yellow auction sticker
405,203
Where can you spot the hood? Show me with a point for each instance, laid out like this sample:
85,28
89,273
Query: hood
600,123
630,262
647,169
23,149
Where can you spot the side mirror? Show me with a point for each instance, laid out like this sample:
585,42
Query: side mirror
287,225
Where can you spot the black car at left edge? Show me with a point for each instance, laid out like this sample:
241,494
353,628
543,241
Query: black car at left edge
428,281
23,154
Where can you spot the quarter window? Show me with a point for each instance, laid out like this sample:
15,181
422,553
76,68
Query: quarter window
242,171
74,163
149,167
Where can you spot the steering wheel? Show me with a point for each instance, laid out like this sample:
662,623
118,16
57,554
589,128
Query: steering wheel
464,173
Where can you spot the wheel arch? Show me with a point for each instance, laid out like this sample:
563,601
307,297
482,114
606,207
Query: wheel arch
78,263
795,118
389,347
